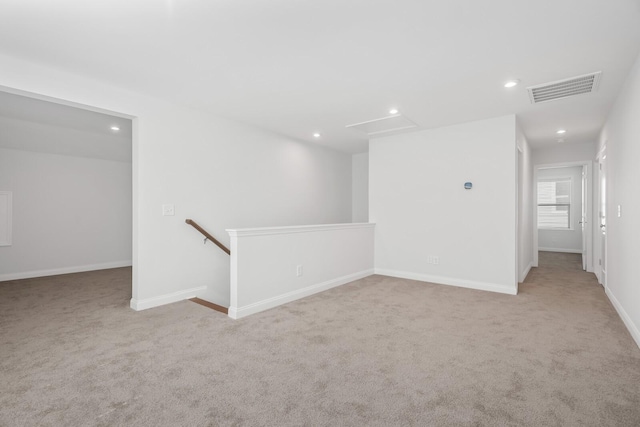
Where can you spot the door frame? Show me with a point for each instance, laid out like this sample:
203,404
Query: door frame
584,188
597,243
588,234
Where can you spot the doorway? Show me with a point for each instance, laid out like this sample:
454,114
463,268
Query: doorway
563,210
71,169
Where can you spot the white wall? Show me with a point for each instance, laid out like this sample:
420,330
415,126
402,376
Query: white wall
621,134
217,172
565,240
69,214
421,209
525,206
360,188
564,153
226,175
264,263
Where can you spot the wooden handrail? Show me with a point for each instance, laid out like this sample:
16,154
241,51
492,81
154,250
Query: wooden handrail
207,235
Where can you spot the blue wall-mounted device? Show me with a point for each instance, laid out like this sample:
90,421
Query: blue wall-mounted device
468,185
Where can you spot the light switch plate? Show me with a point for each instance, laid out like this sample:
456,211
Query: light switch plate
168,210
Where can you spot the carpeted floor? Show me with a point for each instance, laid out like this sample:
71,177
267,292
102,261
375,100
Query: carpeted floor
376,352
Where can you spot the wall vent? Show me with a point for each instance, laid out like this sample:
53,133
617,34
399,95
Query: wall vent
564,88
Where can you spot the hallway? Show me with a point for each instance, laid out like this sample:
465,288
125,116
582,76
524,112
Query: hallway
561,262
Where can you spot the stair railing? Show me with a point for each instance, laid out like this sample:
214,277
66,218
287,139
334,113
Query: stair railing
208,236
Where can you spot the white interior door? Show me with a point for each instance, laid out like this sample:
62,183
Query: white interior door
602,215
583,218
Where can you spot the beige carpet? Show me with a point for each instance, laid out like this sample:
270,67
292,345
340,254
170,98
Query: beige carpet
376,352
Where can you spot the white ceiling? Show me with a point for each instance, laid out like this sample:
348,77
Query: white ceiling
36,125
49,113
298,67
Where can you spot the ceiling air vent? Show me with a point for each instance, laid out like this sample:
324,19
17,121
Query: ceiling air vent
564,88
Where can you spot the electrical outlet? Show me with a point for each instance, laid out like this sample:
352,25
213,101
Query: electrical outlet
299,271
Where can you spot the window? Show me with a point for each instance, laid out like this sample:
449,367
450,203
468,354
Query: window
554,203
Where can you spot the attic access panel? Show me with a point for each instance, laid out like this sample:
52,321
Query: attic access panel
384,125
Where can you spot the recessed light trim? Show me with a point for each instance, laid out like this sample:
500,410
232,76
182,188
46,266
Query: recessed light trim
511,83
316,135
561,131
115,128
393,111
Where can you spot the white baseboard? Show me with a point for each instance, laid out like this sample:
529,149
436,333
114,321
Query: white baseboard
146,303
523,274
633,329
563,250
451,281
64,270
239,312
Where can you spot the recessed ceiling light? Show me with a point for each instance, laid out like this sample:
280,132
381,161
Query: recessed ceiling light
393,111
511,83
316,135
115,128
561,131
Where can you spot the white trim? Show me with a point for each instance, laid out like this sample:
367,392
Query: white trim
561,164
451,281
602,151
633,329
590,206
135,209
597,231
242,232
563,250
65,270
65,102
8,225
239,312
519,156
165,299
525,273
